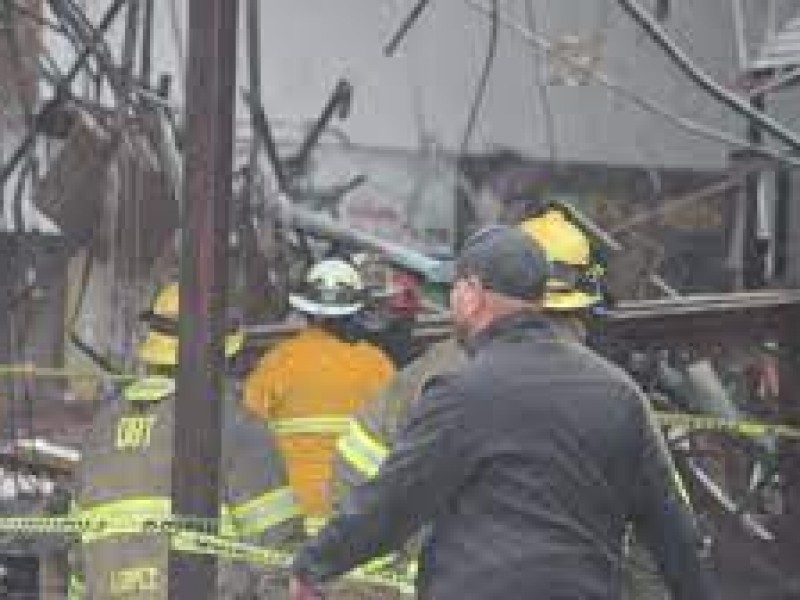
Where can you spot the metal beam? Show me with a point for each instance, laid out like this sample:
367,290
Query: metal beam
210,84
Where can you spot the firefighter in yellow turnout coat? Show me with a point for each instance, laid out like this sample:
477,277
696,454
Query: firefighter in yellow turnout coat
126,472
307,388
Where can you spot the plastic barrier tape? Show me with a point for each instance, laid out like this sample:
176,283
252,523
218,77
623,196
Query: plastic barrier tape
196,535
193,542
122,524
745,428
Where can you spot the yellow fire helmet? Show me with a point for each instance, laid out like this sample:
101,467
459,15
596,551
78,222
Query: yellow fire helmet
160,347
570,254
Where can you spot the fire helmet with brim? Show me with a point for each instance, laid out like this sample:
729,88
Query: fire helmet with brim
573,281
332,288
160,347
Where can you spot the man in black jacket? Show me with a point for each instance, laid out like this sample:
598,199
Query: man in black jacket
528,462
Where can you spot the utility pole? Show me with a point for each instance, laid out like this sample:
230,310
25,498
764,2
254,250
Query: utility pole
208,155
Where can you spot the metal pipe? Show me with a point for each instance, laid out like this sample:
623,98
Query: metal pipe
320,224
716,492
340,100
263,130
210,104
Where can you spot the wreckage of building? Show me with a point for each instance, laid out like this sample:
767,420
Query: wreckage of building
226,144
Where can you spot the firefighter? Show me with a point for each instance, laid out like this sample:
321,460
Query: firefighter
307,387
573,292
126,472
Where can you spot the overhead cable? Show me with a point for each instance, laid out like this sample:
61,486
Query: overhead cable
483,79
690,126
756,117
542,88
402,31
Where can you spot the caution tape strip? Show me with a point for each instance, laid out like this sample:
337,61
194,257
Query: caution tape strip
196,535
192,542
111,524
745,428
37,372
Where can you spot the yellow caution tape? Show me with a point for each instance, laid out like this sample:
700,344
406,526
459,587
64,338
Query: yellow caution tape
31,370
114,524
197,543
196,535
741,427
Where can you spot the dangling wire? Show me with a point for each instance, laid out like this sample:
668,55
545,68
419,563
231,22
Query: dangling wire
464,212
540,63
483,79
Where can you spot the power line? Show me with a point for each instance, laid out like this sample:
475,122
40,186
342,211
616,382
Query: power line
690,126
464,211
541,86
706,82
480,88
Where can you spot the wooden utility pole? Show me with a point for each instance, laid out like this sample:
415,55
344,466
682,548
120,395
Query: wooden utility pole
210,101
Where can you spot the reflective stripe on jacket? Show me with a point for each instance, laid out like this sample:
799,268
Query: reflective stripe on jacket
374,428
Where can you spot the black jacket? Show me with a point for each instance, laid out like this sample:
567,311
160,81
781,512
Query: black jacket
528,463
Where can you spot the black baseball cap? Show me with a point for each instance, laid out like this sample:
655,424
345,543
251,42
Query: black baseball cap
506,261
